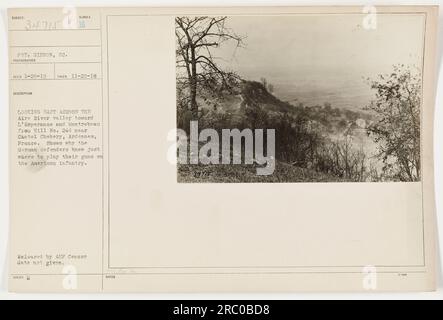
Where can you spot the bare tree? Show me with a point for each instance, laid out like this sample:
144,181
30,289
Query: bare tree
196,37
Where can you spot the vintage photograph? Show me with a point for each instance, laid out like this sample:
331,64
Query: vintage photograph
299,98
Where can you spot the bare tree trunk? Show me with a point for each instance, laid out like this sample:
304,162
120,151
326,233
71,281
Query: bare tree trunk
193,85
195,38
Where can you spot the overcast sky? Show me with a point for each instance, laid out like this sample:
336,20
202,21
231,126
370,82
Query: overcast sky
323,58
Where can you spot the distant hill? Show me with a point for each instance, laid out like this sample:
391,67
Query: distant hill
251,102
254,93
248,94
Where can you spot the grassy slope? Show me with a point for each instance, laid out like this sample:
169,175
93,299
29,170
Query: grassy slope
247,173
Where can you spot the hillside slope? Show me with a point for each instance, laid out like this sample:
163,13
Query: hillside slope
304,136
247,173
248,93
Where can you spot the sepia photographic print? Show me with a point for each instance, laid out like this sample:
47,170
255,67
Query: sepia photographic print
222,149
299,98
